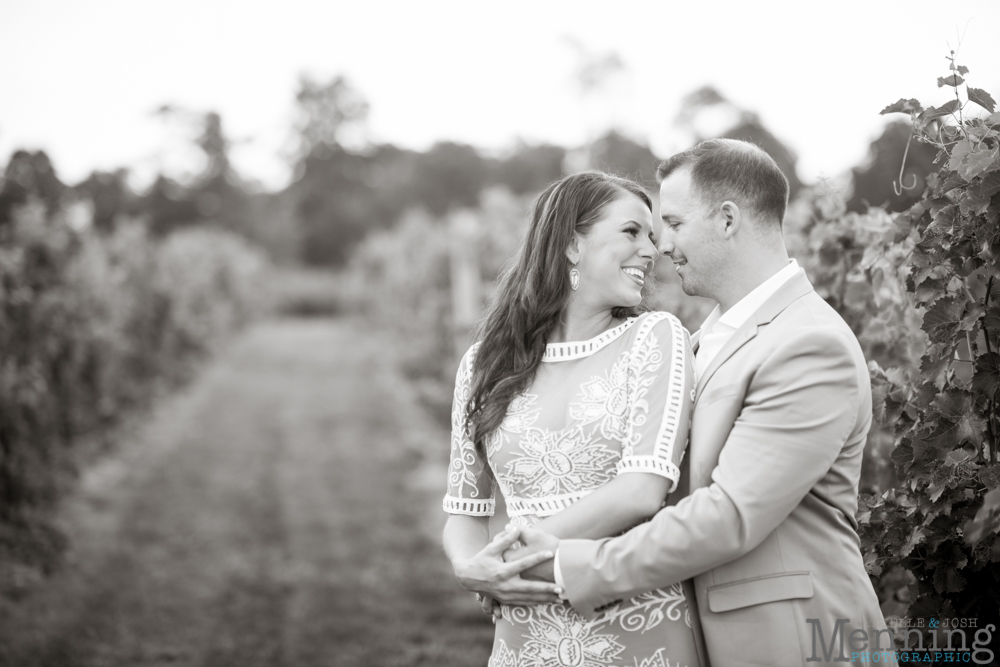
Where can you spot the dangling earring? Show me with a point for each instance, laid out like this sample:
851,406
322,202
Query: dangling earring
574,278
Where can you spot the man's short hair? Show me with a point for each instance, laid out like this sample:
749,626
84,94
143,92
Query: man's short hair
736,170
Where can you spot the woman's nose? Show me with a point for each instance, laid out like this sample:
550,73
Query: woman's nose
648,250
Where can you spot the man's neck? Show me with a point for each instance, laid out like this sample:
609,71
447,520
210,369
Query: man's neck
751,277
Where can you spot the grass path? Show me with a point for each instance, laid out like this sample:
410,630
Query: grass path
279,511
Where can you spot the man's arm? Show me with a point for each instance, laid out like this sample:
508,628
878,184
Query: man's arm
801,406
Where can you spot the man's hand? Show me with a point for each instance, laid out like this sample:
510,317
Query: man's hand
535,542
487,573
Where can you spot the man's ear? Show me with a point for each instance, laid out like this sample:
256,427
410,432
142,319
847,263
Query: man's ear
732,218
573,251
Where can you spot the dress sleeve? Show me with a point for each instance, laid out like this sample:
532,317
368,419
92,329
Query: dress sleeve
470,483
660,386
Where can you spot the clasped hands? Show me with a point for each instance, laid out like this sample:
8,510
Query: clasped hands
502,572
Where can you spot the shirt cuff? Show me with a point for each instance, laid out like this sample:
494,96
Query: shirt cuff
557,575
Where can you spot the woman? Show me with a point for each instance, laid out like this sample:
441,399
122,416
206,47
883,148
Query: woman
577,406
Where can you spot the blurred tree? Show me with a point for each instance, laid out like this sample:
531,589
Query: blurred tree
873,182
707,102
28,175
329,114
449,175
333,195
216,195
334,203
168,205
344,188
219,194
529,168
109,195
620,155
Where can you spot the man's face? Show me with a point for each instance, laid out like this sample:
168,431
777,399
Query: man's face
689,236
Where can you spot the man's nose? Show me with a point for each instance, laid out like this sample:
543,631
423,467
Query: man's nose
666,244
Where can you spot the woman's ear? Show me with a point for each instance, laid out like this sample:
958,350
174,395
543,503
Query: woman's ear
573,251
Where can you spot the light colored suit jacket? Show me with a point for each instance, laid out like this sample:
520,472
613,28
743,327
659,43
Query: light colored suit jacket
764,517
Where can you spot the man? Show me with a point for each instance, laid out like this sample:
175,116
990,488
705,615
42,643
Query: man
764,519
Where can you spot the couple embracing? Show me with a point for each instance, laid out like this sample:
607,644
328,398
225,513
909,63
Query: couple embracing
672,500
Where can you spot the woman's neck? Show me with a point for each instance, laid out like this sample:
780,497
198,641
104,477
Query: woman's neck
581,324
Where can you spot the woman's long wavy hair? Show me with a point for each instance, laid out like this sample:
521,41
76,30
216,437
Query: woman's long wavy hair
532,294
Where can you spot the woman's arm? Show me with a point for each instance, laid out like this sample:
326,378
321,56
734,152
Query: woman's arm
621,503
469,502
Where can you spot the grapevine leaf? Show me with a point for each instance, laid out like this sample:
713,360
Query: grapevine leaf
986,380
936,112
986,521
956,456
934,367
958,154
959,422
915,538
903,106
990,477
993,119
962,69
941,321
977,163
864,515
929,290
977,197
952,80
951,182
970,428
871,564
982,98
902,454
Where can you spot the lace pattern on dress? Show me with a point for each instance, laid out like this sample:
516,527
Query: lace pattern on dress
645,362
467,470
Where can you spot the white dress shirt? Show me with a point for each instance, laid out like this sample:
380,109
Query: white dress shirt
716,331
719,327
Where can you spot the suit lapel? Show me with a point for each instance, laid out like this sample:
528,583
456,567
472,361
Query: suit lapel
735,342
796,287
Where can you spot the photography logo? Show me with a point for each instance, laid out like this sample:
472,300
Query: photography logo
939,640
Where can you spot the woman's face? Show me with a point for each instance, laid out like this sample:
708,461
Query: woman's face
616,255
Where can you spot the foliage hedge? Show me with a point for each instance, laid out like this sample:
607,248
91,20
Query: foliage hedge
91,325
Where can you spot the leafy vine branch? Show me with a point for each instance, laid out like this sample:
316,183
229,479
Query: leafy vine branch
940,525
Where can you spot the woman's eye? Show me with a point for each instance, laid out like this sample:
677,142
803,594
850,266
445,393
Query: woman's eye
632,231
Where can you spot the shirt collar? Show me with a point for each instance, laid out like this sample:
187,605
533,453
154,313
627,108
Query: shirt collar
736,316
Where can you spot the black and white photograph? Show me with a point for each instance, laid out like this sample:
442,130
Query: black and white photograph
532,334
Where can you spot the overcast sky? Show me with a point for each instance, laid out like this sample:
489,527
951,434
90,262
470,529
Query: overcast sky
81,78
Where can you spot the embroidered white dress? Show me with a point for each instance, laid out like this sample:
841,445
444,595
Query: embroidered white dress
595,409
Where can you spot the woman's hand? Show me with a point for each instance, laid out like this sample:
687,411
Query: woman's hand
487,573
534,542
490,607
